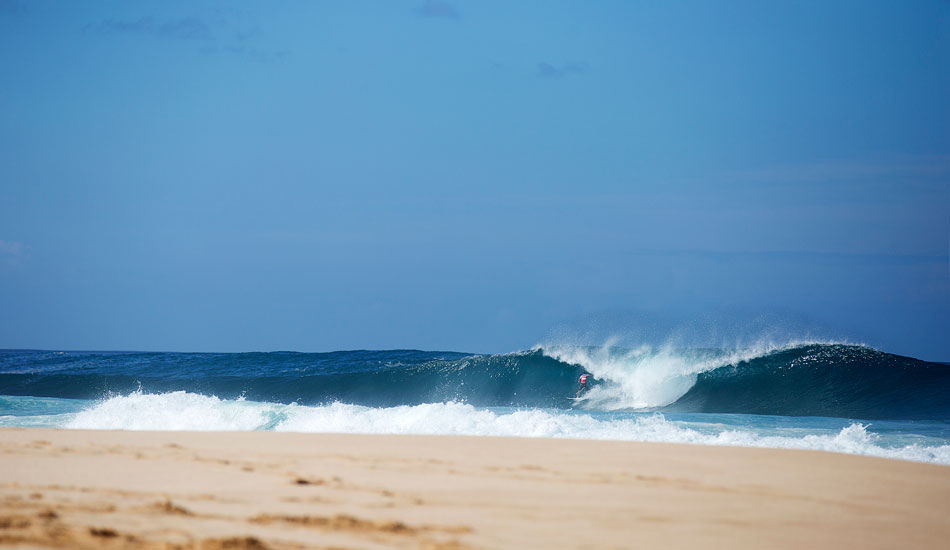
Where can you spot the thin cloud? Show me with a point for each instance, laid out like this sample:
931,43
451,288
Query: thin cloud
239,43
436,8
547,70
261,56
10,252
799,256
245,44
245,35
575,68
186,28
913,169
10,247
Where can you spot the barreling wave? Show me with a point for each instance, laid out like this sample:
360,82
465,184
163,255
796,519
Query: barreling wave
810,379
803,379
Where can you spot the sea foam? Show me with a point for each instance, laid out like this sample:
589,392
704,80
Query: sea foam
188,411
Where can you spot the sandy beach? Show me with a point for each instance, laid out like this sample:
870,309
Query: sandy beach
113,489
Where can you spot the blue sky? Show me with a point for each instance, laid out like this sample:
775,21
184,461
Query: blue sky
475,176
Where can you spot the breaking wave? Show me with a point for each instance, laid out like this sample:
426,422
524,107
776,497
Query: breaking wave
807,379
188,411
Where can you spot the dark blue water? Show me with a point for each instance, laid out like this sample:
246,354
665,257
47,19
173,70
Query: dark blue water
810,380
816,396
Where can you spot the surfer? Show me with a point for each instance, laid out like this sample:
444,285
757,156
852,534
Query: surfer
584,382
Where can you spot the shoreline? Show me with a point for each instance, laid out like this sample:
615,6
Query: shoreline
130,489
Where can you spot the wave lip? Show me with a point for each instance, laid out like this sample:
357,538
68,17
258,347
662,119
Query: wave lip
645,377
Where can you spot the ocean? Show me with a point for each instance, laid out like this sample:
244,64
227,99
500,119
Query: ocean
807,395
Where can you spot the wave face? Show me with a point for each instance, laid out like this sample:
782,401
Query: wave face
841,381
372,378
828,380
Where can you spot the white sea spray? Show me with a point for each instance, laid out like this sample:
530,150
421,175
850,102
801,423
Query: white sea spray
188,411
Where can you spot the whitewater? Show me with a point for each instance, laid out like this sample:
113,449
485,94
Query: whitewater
804,395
